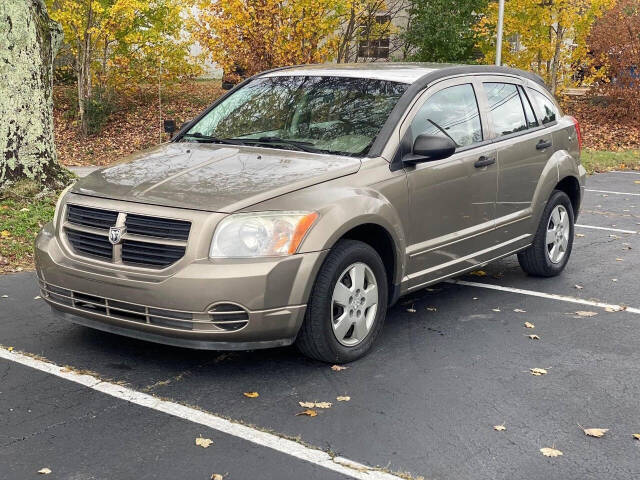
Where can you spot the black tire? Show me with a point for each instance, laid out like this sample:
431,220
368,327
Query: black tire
316,338
535,260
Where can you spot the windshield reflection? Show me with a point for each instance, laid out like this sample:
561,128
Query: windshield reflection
325,114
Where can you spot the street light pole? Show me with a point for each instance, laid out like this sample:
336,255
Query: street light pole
499,36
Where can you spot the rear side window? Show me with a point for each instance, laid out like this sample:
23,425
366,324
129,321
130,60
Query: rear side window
451,112
505,108
548,112
528,111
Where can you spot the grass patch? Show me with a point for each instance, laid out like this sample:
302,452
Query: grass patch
24,209
603,160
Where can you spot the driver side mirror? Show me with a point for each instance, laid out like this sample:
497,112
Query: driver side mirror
427,148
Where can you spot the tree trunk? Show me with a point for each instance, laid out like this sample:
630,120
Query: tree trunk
28,43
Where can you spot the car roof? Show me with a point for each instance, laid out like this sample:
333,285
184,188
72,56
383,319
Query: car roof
392,71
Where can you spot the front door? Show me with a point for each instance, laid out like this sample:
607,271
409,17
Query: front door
452,201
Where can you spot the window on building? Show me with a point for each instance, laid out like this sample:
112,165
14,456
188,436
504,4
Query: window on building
374,40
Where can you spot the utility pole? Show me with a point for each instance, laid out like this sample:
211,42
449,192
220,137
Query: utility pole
499,36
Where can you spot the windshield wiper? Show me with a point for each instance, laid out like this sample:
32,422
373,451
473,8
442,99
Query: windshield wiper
296,144
209,139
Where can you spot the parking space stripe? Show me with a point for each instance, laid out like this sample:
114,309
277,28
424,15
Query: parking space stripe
605,228
288,447
550,296
625,171
613,193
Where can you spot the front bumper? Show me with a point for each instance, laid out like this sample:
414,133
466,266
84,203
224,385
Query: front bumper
177,308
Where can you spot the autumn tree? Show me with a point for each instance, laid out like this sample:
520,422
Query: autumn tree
121,43
369,28
442,30
614,44
546,36
247,36
28,43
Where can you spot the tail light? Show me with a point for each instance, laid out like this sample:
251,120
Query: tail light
578,133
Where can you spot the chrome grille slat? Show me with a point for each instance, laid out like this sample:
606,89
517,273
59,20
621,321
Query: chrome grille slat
149,242
118,309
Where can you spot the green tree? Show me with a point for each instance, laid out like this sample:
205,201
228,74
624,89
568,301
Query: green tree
442,30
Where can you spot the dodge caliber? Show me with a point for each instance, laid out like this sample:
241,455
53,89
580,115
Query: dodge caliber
306,200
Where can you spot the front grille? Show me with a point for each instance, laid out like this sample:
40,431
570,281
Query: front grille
91,217
87,230
150,253
124,310
85,243
158,227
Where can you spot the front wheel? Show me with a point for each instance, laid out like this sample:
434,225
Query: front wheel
348,304
551,248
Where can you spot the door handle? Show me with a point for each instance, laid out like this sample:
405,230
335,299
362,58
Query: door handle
542,144
484,161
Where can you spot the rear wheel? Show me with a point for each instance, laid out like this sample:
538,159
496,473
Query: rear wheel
347,306
551,248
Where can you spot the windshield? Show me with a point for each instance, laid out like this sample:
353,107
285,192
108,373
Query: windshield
324,114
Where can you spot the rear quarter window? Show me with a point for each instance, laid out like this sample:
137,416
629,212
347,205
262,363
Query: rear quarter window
546,108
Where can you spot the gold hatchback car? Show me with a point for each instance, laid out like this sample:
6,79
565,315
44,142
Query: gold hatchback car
308,199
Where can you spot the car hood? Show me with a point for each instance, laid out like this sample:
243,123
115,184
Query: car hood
217,178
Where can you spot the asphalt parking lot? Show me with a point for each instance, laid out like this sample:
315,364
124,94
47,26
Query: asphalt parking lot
452,362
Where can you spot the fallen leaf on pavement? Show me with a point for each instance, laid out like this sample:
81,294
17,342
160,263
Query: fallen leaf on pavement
550,452
582,313
432,309
529,325
478,273
44,471
579,234
10,349
618,260
37,297
636,436
499,428
315,404
308,412
519,310
538,371
595,432
579,287
533,337
217,476
496,309
344,398
337,368
614,308
251,394
203,442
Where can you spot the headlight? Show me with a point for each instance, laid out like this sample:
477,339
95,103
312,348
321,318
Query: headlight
59,203
261,234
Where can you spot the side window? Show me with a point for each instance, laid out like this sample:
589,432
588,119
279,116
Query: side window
505,108
546,108
528,111
452,112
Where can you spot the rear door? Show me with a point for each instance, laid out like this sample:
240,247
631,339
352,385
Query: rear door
452,201
523,147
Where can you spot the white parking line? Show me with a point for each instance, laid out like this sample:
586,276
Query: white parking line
551,296
288,447
605,228
612,193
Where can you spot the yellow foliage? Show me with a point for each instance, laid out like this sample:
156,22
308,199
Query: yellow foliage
245,37
548,37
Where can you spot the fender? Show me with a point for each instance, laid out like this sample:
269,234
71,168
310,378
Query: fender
559,166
